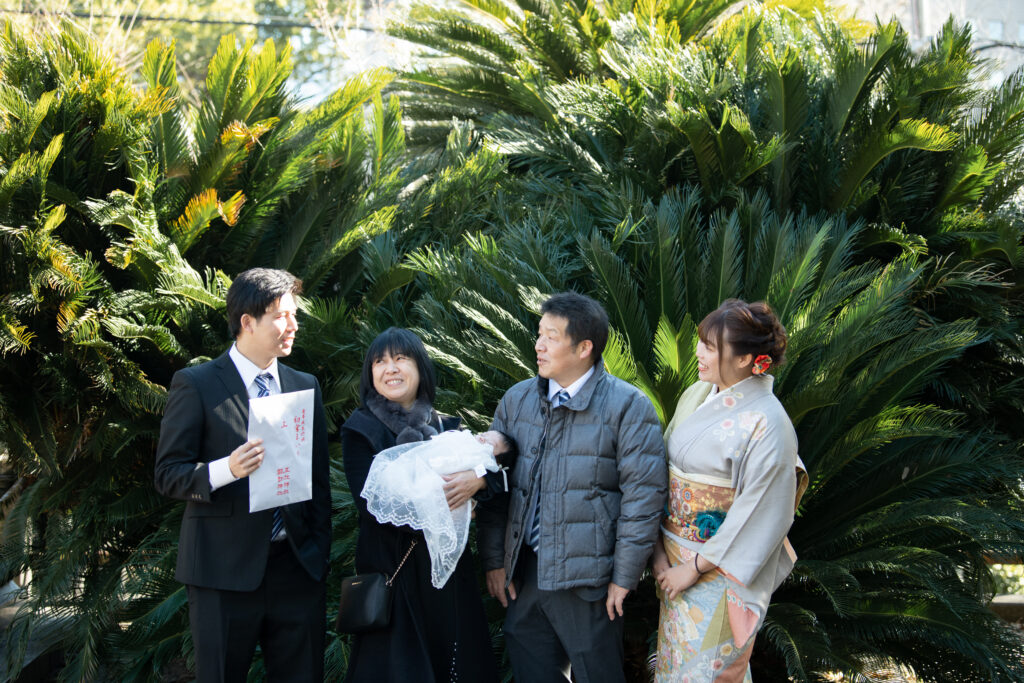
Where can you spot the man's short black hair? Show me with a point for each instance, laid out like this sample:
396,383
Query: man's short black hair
396,341
586,318
254,290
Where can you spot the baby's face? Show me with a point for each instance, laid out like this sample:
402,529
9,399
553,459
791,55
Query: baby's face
495,439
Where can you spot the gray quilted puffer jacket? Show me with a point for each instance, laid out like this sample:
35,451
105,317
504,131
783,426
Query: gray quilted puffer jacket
603,482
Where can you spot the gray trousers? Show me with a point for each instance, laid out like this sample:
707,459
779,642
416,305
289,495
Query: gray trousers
547,632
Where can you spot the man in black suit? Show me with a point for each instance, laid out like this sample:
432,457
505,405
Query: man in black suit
251,577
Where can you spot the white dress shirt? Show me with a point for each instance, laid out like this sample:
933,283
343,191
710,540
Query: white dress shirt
220,472
572,389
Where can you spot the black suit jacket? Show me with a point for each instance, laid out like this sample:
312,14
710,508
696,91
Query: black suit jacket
222,545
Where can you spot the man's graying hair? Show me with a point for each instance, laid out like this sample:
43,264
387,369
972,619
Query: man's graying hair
254,290
586,318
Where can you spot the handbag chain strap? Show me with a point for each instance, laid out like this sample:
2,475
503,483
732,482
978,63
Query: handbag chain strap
401,564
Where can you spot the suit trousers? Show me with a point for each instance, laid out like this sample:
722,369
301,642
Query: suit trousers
286,615
547,633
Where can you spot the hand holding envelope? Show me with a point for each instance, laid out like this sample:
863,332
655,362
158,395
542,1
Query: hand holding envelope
285,423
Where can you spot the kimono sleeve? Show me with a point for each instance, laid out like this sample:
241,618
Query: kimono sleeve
762,510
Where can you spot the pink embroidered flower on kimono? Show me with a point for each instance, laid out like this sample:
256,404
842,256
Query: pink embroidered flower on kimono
729,401
727,424
717,664
748,420
759,433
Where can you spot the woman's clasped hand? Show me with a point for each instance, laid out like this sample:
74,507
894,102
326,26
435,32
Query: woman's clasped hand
673,580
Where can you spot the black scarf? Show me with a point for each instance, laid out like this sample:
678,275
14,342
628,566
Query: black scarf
408,425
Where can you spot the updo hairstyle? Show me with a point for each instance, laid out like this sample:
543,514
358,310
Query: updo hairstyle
749,328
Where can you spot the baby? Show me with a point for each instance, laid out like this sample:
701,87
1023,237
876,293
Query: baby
428,485
460,487
501,445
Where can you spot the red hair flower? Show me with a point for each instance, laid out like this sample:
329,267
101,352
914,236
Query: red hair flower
761,364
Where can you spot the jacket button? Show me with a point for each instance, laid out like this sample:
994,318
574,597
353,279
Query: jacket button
533,450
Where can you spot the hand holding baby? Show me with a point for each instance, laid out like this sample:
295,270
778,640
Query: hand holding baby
460,487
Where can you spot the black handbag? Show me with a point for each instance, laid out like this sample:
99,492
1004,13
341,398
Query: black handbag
365,603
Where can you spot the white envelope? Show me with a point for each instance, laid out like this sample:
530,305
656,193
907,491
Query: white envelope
285,423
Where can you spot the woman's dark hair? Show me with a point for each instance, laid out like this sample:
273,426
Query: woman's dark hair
748,328
396,341
252,292
586,319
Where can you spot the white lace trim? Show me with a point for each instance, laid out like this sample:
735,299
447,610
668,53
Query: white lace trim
405,488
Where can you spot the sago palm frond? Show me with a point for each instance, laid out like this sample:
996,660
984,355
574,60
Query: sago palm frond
884,465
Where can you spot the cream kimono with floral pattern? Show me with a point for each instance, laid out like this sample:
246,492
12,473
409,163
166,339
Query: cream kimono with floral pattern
740,439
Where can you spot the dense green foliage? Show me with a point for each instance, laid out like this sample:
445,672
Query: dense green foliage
660,155
907,343
908,143
122,211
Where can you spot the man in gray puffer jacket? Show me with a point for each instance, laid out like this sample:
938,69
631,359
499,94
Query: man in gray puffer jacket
572,536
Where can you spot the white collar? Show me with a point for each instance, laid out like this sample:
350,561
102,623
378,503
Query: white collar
248,370
572,389
744,384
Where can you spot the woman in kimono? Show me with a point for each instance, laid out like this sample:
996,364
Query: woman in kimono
734,480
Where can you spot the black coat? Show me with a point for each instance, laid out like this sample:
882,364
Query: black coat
435,635
222,544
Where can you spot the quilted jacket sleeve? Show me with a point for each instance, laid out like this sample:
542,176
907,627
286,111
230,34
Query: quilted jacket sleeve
643,480
492,513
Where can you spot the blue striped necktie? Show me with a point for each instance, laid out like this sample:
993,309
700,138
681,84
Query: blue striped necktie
262,389
534,539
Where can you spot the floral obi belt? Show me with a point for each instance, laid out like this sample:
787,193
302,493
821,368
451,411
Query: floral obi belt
696,504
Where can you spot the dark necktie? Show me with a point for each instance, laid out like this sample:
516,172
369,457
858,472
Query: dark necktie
263,390
534,539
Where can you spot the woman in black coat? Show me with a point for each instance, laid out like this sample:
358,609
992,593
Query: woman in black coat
435,635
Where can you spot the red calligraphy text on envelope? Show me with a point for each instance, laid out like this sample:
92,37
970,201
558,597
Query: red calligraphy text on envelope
283,479
300,427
